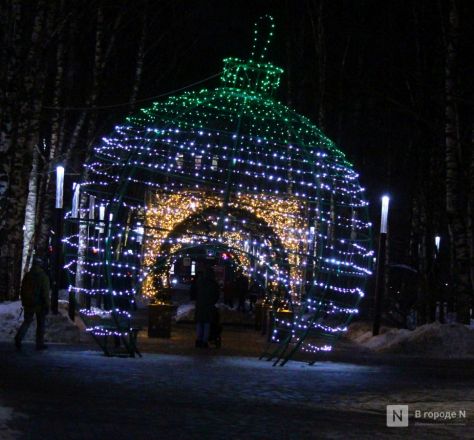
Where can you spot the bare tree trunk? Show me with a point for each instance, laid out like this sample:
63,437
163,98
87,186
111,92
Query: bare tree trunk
470,211
30,215
456,226
100,60
320,49
26,137
46,197
84,226
341,92
10,14
414,259
140,58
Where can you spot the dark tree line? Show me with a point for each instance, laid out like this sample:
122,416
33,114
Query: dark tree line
390,82
60,62
393,86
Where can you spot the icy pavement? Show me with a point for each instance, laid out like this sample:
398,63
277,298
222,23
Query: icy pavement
76,393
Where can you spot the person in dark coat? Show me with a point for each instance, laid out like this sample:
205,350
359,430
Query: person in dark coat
207,294
243,289
35,301
229,293
255,293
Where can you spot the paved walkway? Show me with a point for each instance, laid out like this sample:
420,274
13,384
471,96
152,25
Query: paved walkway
74,392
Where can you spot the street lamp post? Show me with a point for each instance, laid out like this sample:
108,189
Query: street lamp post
439,313
57,238
380,270
76,188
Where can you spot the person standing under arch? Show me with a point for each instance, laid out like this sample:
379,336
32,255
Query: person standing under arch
207,294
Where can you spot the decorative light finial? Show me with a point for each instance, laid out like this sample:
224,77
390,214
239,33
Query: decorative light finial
260,41
255,74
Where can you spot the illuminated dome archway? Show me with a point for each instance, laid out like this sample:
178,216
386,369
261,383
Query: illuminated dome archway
244,236
233,149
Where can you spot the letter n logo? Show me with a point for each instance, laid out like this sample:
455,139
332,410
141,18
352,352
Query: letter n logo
397,416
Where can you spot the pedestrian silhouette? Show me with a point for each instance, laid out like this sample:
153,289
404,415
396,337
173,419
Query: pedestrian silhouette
207,294
34,296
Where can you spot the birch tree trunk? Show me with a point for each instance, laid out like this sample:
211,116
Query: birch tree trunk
30,215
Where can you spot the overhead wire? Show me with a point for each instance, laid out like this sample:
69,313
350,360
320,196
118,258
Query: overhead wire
125,104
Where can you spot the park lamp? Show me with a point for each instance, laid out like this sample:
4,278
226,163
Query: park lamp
140,231
101,213
380,270
91,207
437,246
384,218
57,239
76,187
101,218
59,186
437,242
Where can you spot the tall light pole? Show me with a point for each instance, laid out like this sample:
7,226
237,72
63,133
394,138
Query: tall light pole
435,277
437,245
380,270
76,188
57,237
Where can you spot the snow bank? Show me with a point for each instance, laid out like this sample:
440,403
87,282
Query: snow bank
6,415
433,340
228,315
388,340
361,331
185,312
59,328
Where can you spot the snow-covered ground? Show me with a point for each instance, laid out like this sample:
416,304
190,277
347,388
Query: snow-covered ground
59,328
433,340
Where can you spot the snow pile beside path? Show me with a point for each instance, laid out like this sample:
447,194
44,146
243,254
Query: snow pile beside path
361,332
6,415
9,322
59,328
388,340
433,340
185,312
